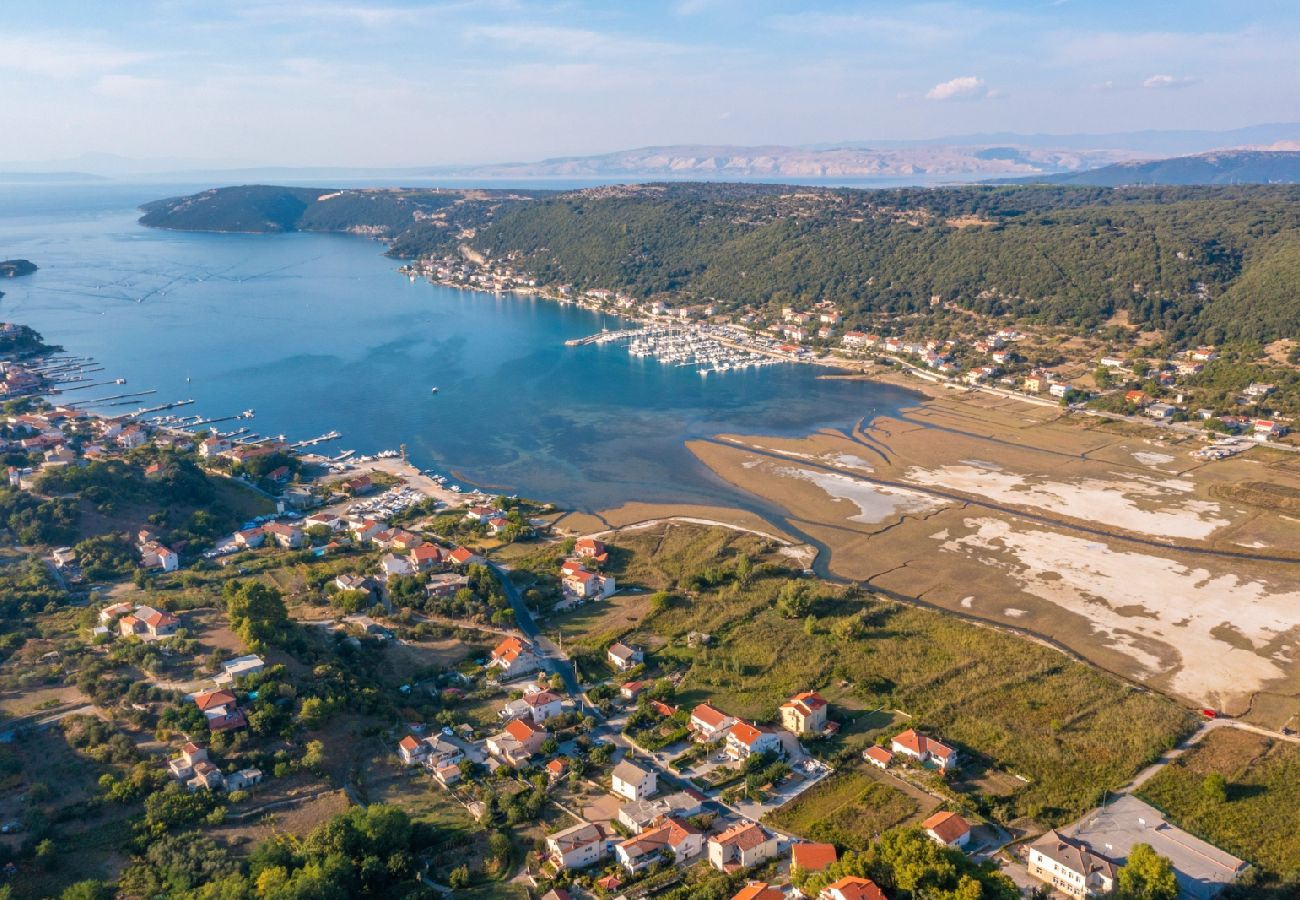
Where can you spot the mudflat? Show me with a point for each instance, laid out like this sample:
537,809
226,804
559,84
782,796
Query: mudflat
1111,541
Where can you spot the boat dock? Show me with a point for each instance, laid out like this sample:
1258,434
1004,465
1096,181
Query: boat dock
312,442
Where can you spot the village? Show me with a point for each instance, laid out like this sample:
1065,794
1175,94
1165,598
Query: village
642,789
1159,390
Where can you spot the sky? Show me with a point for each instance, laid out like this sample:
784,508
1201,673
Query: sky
342,82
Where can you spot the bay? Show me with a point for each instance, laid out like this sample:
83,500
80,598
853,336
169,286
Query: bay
319,332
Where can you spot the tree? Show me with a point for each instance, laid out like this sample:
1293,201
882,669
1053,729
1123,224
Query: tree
1146,876
794,600
88,890
256,612
1215,787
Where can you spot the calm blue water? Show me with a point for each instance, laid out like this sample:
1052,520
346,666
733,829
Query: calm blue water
319,332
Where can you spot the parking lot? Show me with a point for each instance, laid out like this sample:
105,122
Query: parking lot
1202,869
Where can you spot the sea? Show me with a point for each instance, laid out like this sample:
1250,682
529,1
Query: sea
319,332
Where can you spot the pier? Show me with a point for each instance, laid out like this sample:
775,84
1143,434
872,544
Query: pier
119,397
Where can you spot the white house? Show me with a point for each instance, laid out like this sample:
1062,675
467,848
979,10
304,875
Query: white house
633,781
578,847
742,846
638,815
709,723
1070,866
924,749
744,740
238,668
622,657
514,658
947,828
674,841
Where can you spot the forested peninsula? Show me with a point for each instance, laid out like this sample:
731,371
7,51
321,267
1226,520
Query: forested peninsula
1201,264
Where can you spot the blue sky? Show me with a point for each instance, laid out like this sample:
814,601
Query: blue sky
334,82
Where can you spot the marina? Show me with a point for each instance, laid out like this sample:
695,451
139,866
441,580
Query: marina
708,350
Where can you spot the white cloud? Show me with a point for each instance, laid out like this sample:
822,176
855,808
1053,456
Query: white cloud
63,58
967,87
1168,81
127,87
575,42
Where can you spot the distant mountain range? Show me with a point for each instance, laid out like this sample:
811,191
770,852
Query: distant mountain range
962,158
1225,167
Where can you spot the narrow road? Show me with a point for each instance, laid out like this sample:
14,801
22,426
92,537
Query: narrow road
553,659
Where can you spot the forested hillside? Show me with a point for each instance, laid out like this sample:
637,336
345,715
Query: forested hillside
1204,264
1220,167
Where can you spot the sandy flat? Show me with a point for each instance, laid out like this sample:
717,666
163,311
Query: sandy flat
1160,507
1219,624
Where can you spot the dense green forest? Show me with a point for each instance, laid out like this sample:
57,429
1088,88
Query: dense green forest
1204,264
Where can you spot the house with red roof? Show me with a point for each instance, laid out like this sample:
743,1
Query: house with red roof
517,742
250,538
745,740
878,757
592,549
426,557
515,658
463,557
221,710
804,713
924,749
758,890
709,723
675,840
290,537
852,888
807,858
947,828
584,584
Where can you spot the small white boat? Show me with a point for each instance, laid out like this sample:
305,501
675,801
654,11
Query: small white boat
435,390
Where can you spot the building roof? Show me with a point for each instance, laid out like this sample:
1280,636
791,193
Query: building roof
1074,855
758,890
521,730
577,836
622,651
672,833
946,826
813,857
408,743
745,836
509,650
630,771
880,754
854,888
540,698
745,733
210,699
710,715
921,745
806,703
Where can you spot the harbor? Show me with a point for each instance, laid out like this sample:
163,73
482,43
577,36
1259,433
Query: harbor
708,349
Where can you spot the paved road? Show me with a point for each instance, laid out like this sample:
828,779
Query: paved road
553,659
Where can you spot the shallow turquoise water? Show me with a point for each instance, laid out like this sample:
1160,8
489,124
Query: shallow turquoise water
319,332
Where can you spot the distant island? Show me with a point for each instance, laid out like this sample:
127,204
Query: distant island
12,268
1220,167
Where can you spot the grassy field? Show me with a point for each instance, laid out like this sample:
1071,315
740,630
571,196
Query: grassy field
1263,790
849,809
1066,729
